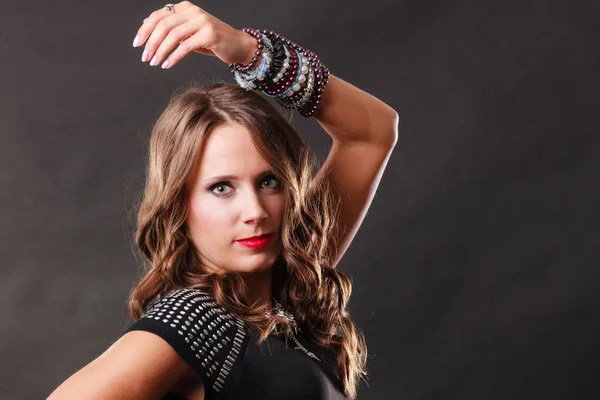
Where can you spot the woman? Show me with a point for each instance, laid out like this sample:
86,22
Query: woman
241,298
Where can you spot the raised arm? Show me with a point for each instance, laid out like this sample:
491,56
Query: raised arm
364,131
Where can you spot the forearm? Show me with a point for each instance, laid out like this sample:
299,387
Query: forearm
351,115
348,114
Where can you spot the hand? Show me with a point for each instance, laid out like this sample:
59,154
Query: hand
194,30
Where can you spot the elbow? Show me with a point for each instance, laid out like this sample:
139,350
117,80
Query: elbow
392,121
395,123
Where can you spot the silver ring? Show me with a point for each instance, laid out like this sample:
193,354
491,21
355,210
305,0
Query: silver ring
169,7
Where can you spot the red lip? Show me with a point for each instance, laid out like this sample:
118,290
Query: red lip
256,237
255,242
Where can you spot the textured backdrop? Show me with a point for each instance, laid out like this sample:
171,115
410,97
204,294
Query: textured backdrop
476,270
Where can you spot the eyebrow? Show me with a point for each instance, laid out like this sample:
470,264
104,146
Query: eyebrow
234,177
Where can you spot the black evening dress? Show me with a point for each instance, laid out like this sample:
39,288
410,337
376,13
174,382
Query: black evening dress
224,352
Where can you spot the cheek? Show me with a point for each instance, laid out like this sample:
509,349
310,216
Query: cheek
207,222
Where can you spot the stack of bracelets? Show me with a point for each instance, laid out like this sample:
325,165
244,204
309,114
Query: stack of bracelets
283,68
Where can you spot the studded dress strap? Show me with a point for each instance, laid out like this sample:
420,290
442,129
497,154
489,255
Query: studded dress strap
205,335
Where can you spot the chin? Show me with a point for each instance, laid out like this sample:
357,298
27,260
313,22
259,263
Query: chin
257,262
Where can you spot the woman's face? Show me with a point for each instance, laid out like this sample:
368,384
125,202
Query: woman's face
221,210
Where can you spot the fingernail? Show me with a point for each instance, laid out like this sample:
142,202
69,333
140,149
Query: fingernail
165,64
136,41
153,60
145,56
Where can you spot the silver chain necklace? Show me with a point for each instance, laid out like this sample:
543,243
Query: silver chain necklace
287,315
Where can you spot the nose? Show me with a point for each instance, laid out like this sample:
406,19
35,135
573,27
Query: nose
253,209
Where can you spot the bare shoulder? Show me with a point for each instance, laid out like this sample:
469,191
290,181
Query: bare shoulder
139,365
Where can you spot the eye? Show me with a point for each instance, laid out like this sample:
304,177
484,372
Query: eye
218,186
273,179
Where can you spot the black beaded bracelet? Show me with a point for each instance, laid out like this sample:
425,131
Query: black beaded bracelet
268,84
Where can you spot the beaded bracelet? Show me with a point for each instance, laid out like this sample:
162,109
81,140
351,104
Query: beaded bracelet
283,68
292,84
314,102
248,80
258,36
297,98
289,79
277,69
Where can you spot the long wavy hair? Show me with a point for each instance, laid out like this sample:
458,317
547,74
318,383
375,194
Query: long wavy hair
304,279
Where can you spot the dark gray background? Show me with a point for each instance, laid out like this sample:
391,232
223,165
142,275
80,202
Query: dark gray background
476,269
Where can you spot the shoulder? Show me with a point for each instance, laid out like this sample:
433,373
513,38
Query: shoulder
206,336
191,313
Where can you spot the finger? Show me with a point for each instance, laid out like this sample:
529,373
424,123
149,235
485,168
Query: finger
179,34
199,42
160,32
149,23
196,42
